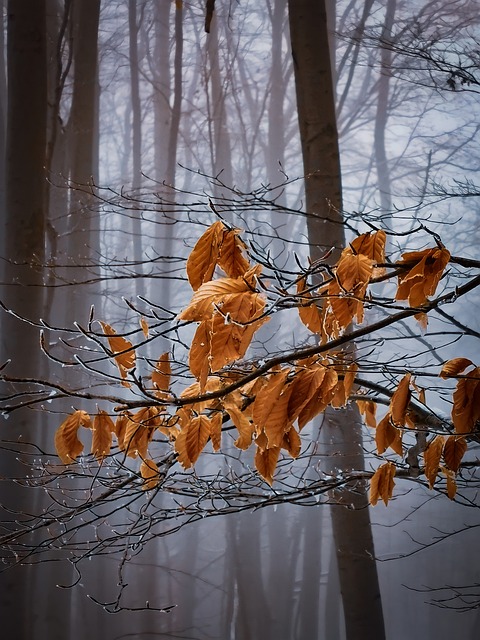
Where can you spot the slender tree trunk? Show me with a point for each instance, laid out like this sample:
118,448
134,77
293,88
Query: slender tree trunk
341,430
381,119
220,147
136,140
161,94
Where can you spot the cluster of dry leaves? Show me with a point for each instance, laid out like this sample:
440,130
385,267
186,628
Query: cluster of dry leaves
269,411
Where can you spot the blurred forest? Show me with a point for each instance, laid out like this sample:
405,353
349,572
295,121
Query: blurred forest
129,127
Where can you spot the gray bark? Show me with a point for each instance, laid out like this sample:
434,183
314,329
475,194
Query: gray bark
341,430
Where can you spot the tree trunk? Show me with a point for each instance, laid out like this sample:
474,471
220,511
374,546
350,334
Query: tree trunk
136,141
341,430
83,155
23,222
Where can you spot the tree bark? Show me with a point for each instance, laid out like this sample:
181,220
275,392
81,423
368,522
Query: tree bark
341,430
23,252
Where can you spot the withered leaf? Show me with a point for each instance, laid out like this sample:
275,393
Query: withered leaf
308,311
149,472
123,351
454,367
102,430
67,444
382,483
231,256
202,260
400,400
387,435
266,462
431,456
453,452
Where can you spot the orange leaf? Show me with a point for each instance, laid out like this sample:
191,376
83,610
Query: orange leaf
266,462
451,483
231,258
454,367
102,434
196,437
203,258
240,419
354,272
270,408
466,402
144,325
387,435
199,353
368,409
423,275
67,444
211,295
308,311
122,350
432,455
400,400
215,425
291,442
305,385
382,483
149,472
320,399
139,431
454,451
161,375
371,245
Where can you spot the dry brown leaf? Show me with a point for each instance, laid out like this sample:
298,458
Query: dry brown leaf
149,472
320,399
425,268
431,456
196,436
400,400
371,245
231,257
181,448
451,483
202,260
266,462
139,431
215,426
102,430
199,353
382,483
291,442
387,435
241,419
453,452
354,272
210,296
144,325
161,375
305,385
308,311
466,402
123,351
67,444
368,409
454,367
270,408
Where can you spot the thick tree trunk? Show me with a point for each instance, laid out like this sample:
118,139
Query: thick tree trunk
341,430
23,223
82,248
